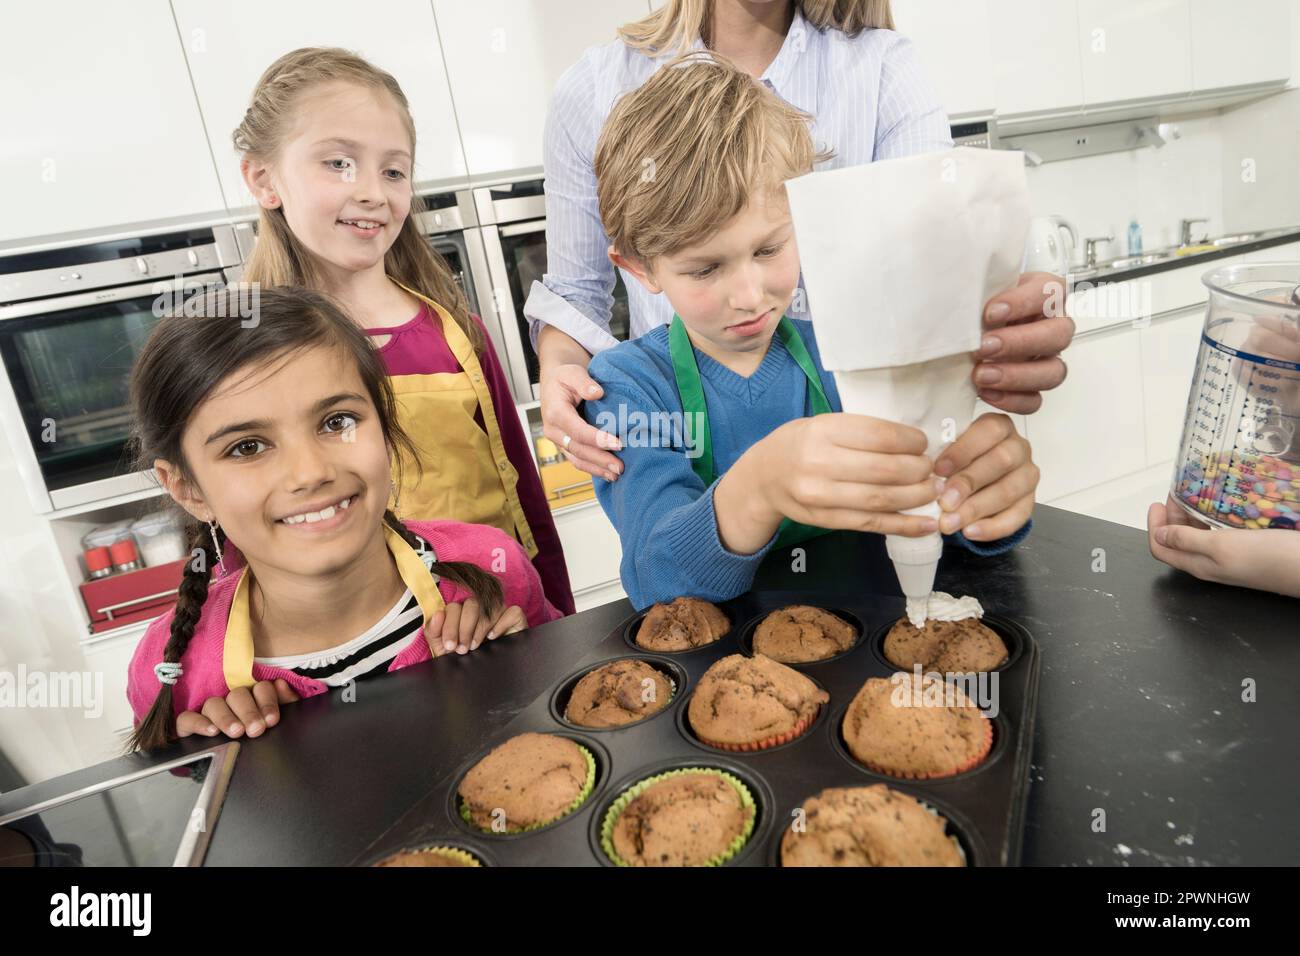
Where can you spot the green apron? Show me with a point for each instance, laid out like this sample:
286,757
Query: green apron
687,373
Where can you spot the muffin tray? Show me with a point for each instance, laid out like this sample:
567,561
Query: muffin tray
985,806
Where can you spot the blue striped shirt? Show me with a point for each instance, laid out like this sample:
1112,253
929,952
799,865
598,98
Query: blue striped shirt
866,94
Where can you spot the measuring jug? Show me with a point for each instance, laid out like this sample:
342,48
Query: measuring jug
1238,463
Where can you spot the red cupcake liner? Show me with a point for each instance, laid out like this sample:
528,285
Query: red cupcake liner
970,764
798,730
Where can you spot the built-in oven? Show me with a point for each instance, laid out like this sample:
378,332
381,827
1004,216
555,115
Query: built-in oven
512,220
444,221
72,320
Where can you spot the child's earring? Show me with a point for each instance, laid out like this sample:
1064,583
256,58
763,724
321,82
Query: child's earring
212,526
272,200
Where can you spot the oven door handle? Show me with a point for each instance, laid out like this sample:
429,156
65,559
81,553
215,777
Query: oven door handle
82,299
521,228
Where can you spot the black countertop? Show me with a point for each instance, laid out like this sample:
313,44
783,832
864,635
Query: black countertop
1141,711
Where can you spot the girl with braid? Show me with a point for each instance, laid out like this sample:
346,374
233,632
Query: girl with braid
278,436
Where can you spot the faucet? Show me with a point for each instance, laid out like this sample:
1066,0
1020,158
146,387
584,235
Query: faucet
1090,248
1185,230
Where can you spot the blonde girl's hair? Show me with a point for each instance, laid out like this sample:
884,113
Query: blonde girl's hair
279,258
674,27
686,151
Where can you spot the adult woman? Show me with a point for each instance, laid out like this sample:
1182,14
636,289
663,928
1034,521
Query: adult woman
842,63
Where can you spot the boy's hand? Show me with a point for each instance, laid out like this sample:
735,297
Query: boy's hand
248,710
991,480
849,471
462,627
1025,330
1267,559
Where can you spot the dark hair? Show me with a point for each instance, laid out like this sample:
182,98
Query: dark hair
189,353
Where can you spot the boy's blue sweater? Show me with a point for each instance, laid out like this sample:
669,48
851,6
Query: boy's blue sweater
662,511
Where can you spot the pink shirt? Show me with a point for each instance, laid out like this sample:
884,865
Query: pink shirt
203,660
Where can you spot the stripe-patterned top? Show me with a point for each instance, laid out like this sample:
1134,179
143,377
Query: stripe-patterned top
866,94
370,652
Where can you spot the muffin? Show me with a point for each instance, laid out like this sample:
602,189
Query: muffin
897,727
683,625
430,856
617,694
527,782
694,817
800,634
751,703
949,647
869,826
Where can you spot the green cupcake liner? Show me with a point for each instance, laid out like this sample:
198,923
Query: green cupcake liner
634,791
455,853
588,785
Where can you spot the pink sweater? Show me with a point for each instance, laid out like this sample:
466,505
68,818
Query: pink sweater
202,662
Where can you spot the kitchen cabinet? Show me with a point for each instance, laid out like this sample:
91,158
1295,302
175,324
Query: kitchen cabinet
592,552
952,44
1169,348
101,127
229,45
1134,49
110,655
503,59
1234,44
1036,65
1091,429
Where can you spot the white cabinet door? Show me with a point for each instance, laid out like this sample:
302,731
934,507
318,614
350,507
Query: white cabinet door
1169,349
100,124
592,550
1234,44
952,43
1090,430
504,56
111,657
1134,49
230,44
1035,55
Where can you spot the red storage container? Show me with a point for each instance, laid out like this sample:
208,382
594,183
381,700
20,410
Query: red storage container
133,596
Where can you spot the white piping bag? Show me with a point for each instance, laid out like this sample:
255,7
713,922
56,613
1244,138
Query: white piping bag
899,257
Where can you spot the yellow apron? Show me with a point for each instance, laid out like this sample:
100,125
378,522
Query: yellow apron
237,653
466,474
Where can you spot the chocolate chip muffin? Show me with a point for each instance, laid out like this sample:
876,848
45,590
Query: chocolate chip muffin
931,729
431,856
949,647
526,782
617,694
751,703
869,826
683,625
695,817
800,634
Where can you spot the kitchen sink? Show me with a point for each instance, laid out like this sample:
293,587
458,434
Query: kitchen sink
1234,239
1128,262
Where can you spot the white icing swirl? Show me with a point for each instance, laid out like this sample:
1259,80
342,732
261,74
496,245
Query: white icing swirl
941,606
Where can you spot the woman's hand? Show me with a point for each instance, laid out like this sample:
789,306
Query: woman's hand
462,627
1025,330
1265,558
565,384
245,710
991,479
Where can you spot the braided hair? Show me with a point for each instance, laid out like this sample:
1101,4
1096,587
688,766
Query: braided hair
186,357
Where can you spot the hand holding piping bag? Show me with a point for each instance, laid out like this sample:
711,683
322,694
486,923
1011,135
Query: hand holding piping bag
901,343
